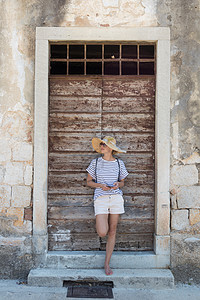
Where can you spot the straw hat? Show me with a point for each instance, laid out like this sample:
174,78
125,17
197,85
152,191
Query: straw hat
109,141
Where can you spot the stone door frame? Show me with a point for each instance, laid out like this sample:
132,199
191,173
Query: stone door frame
159,35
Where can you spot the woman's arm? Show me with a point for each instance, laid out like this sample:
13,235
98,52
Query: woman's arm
94,185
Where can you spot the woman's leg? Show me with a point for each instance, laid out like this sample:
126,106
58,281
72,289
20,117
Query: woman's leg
113,221
102,224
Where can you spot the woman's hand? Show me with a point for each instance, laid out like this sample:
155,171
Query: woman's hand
104,187
115,185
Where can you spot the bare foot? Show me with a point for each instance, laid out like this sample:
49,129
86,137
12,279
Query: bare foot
108,270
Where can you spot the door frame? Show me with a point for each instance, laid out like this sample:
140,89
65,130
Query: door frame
159,35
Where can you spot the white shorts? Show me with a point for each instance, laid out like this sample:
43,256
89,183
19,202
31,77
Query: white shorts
109,204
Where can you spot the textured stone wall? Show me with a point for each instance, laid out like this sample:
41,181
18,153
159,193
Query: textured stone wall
18,22
183,18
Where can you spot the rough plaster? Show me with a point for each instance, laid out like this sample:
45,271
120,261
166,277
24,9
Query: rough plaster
18,22
183,18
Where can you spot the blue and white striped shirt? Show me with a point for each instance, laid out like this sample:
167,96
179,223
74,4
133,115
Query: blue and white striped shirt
107,172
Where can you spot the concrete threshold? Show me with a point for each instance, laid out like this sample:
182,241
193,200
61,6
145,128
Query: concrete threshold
95,260
126,278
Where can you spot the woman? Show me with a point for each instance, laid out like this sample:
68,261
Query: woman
106,174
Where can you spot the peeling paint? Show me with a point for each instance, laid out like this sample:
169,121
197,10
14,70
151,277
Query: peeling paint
20,65
194,103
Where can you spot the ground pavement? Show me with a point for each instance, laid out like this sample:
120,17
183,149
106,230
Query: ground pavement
15,290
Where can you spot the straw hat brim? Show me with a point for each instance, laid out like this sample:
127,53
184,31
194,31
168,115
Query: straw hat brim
96,145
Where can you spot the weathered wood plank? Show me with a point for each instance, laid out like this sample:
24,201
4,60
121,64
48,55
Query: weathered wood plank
69,183
70,200
84,226
85,213
74,122
133,141
128,122
129,87
79,162
92,122
70,162
75,104
83,200
76,183
138,161
74,87
128,104
140,212
70,213
72,226
139,183
92,242
70,142
132,242
135,226
74,242
139,200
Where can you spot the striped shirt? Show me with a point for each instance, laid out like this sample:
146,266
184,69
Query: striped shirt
107,172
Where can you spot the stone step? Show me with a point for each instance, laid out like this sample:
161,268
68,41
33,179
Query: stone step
126,278
95,260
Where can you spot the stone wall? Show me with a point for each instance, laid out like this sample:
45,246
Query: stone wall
18,21
183,17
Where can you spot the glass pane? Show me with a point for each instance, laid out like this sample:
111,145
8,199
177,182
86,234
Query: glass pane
76,51
111,51
111,68
93,51
129,51
94,68
129,68
146,68
58,68
58,51
76,68
146,51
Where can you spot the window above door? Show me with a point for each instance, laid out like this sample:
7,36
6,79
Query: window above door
102,59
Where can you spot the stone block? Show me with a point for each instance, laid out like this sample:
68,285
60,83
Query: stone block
179,219
5,150
185,250
5,196
188,197
22,152
162,245
14,173
27,227
173,201
184,175
2,173
28,176
194,216
18,215
18,125
193,159
137,278
21,196
16,259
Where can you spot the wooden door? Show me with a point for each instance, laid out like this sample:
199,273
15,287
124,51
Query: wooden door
81,108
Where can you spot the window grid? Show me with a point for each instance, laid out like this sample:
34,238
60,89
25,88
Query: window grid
120,59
